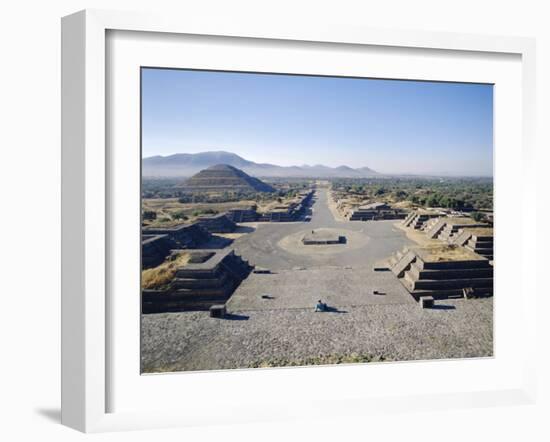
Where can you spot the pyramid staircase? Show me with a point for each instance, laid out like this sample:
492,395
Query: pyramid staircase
446,228
425,274
430,223
198,286
452,228
477,240
415,220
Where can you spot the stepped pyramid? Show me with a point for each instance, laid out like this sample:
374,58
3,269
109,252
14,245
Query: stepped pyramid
418,218
210,278
446,228
478,240
224,178
442,271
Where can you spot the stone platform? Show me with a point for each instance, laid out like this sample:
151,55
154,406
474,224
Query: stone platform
442,271
203,282
340,288
416,219
323,238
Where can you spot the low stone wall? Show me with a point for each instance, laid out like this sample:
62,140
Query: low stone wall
217,223
323,238
375,215
293,212
185,236
242,215
154,249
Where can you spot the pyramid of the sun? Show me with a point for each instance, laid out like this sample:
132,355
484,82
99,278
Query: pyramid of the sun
224,178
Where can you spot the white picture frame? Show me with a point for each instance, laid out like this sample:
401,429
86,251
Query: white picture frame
85,216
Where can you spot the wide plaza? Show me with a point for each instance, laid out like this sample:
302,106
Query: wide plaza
271,319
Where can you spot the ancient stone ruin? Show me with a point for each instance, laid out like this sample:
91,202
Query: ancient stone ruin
447,227
442,271
476,239
221,178
245,215
210,278
288,212
375,211
417,219
322,238
217,223
157,242
154,249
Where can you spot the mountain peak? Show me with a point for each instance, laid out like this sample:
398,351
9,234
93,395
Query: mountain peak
188,164
222,167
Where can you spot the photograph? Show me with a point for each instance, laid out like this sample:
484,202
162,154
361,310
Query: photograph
293,220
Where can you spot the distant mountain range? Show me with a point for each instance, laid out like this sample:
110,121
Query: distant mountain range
188,164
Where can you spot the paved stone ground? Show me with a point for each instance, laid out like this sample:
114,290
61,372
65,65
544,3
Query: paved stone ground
338,287
285,330
194,341
293,243
274,245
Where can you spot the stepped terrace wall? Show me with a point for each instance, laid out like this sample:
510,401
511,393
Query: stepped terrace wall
242,215
417,219
447,227
292,211
217,223
185,236
199,285
154,249
375,211
442,271
478,240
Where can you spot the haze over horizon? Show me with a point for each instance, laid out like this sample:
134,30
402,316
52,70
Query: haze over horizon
391,126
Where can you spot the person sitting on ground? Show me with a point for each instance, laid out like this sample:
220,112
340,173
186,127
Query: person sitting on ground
321,306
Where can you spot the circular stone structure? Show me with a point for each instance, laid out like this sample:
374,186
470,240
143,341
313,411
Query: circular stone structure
304,243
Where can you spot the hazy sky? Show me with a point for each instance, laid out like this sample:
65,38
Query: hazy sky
389,126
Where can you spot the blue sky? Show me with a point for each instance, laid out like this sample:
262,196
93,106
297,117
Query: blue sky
390,126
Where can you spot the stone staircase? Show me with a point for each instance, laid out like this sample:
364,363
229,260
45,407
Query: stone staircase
478,240
416,220
435,228
446,228
430,223
198,286
422,274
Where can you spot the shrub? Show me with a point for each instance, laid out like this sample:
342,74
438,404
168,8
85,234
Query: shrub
180,215
149,215
478,216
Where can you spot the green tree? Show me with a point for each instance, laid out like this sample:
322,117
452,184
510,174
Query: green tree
478,216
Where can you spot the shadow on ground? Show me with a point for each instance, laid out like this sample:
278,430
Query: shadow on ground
443,307
333,310
236,317
51,414
244,229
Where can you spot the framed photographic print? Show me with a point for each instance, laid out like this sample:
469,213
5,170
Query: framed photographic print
274,223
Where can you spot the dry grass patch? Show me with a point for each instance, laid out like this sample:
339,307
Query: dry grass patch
159,277
452,252
480,231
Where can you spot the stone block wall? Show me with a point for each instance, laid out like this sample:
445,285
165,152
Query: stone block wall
198,286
